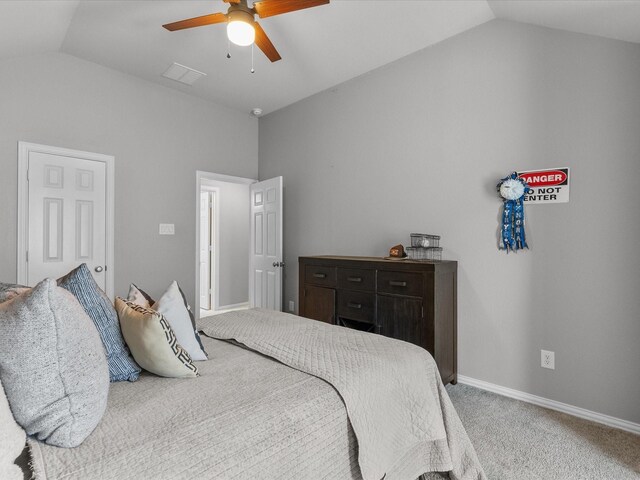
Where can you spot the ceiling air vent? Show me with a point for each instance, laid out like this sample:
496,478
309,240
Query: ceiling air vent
183,74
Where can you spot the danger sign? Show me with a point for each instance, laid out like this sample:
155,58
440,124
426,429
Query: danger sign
546,186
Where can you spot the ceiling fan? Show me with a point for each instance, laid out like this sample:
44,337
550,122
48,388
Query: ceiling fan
242,29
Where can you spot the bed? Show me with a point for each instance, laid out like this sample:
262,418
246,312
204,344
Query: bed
278,398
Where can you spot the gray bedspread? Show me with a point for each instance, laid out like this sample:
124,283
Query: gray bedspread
400,412
245,417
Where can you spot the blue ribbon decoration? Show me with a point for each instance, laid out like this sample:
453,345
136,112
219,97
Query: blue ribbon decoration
512,236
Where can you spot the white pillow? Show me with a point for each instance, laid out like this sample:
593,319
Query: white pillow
174,307
12,441
139,297
152,341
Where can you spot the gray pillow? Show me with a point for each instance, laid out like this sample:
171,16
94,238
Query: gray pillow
52,365
95,302
12,441
11,290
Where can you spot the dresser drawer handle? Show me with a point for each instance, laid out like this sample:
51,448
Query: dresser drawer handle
320,275
354,279
395,283
354,305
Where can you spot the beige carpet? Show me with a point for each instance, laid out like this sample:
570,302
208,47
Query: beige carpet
519,441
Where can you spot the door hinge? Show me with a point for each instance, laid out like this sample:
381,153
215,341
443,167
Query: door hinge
27,255
422,313
27,174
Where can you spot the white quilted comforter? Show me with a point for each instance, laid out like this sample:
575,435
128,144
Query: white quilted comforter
400,412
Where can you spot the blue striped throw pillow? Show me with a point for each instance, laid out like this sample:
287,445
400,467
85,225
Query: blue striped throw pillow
95,302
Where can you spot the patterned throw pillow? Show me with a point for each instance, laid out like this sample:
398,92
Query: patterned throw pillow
153,342
11,290
173,305
52,365
95,302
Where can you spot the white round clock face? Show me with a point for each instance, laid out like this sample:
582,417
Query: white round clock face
511,189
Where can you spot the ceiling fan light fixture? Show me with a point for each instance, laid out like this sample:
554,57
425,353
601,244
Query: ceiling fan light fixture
240,29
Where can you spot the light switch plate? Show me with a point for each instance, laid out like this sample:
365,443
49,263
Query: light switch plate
167,229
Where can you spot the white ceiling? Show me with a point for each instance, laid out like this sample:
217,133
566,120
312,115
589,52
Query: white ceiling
28,28
321,47
617,19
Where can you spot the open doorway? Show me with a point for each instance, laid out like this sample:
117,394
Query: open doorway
239,243
223,243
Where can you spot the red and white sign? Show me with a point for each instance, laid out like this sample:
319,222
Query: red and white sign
546,186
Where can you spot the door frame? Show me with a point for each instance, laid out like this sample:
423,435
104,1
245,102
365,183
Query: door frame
24,149
201,181
214,274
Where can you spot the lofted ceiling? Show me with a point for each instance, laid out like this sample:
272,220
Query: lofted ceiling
321,47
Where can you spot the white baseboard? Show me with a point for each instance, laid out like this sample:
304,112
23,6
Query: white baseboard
223,309
234,306
552,404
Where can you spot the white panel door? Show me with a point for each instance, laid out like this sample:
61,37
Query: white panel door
265,262
66,216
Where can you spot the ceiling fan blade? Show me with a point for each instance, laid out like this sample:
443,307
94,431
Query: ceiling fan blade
196,22
264,44
231,1
269,8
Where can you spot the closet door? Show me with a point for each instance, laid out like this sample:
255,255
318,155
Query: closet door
67,211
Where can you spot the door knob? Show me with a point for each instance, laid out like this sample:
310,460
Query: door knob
278,264
98,269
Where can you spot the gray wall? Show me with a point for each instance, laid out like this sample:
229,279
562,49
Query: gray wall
159,138
420,144
233,199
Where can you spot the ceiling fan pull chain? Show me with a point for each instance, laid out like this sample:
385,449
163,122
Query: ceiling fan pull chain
228,48
252,69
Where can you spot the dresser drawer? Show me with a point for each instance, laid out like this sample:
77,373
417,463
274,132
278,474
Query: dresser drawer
318,275
357,279
401,283
356,305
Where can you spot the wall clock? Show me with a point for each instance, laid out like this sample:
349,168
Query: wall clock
512,189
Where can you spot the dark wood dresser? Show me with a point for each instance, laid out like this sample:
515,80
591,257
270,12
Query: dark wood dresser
408,300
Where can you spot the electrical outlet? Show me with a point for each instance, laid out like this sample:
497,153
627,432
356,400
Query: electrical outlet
292,306
548,359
